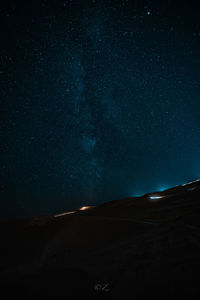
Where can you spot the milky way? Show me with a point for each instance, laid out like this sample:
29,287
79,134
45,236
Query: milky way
100,100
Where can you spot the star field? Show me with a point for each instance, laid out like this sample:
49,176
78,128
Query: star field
100,100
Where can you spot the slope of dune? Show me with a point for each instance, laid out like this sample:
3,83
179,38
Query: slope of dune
125,249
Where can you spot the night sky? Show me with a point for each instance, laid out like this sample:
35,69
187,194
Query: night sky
100,100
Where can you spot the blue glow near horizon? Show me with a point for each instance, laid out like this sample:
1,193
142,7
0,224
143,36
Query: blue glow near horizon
163,188
160,188
148,191
138,194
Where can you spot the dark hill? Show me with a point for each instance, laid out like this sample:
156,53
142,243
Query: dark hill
126,249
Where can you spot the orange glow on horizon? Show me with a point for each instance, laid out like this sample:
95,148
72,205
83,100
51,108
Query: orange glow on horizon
85,207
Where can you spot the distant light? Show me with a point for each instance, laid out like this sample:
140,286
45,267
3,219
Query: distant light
192,189
191,182
85,207
155,197
66,213
148,13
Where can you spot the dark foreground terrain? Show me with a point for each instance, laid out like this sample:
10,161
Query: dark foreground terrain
133,248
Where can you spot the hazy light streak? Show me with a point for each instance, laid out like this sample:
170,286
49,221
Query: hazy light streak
66,213
192,189
198,180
